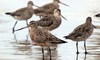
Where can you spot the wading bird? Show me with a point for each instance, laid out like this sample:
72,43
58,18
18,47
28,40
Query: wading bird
82,33
48,8
52,21
42,37
22,14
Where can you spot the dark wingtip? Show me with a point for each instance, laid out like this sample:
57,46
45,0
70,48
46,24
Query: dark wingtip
7,13
66,37
97,15
64,41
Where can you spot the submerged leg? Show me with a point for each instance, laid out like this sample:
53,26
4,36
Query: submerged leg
85,57
50,53
77,47
77,57
28,28
26,22
85,47
27,40
13,29
15,37
43,53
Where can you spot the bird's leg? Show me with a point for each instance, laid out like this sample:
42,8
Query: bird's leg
77,47
40,17
26,22
43,53
85,57
77,57
85,47
28,28
13,29
26,39
15,37
50,53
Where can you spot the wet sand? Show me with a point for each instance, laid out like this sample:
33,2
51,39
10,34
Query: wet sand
14,47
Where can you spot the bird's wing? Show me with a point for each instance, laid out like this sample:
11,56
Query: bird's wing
19,11
46,36
47,6
45,9
39,10
53,39
78,31
46,21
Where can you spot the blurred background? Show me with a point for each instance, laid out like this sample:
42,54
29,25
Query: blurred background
76,14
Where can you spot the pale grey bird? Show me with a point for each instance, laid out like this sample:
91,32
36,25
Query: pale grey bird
42,37
48,8
22,14
82,33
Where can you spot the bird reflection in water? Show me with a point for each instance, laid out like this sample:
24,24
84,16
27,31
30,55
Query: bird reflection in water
77,56
22,49
26,42
46,53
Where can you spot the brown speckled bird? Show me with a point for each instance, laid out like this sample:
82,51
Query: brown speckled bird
81,33
42,37
48,8
22,14
52,21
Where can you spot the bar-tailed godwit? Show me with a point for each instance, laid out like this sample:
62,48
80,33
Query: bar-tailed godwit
22,14
82,33
42,37
52,21
48,8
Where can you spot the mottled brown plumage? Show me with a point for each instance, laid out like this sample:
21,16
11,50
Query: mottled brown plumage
42,37
51,22
23,13
48,8
82,32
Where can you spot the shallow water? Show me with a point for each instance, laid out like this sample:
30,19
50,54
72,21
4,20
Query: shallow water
14,47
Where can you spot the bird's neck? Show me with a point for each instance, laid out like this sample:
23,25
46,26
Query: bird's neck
33,28
29,6
55,2
56,15
89,23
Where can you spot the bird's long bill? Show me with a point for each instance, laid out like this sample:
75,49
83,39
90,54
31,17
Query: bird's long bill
64,4
36,6
63,17
94,26
22,28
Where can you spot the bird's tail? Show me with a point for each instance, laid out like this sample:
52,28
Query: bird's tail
66,37
62,41
8,13
97,15
58,42
12,14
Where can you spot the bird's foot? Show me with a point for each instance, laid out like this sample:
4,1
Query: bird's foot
77,52
13,30
85,52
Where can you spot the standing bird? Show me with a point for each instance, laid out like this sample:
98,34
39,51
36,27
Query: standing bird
81,33
42,37
22,14
48,8
52,21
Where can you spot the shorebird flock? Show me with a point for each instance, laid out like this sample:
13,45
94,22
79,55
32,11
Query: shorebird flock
50,19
